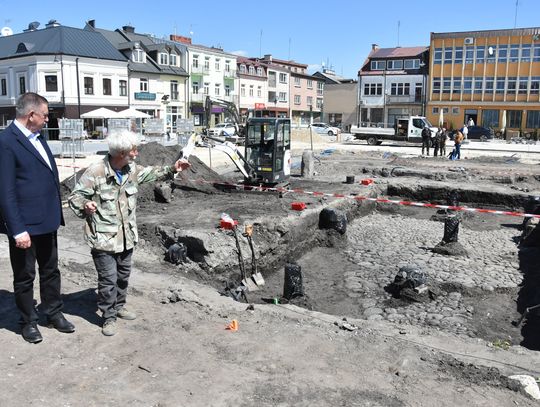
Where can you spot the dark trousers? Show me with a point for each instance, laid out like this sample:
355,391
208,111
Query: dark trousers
442,150
458,151
425,144
113,274
44,251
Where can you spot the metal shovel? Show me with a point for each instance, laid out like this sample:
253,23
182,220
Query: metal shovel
246,282
255,273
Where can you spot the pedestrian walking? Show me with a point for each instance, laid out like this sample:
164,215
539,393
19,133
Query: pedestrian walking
31,211
442,143
106,197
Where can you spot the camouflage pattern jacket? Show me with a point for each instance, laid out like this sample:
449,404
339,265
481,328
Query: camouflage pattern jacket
113,227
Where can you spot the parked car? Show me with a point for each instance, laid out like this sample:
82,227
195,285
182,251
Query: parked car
326,129
477,133
222,130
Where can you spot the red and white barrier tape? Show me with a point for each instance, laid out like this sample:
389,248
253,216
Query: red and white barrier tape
366,198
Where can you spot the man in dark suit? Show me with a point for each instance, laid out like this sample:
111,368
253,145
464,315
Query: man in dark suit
31,211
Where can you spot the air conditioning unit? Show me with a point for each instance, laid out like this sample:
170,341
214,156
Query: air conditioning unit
469,41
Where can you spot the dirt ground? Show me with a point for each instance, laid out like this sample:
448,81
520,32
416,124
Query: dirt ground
320,349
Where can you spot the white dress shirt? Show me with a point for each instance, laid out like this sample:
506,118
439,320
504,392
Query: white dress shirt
33,138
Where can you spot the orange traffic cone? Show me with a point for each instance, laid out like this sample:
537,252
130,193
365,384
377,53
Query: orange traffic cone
233,326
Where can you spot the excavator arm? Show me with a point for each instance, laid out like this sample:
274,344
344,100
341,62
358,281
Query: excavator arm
231,110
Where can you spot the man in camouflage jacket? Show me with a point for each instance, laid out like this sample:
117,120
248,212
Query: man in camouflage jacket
106,197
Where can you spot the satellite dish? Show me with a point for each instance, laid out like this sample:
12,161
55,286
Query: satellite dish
490,50
6,31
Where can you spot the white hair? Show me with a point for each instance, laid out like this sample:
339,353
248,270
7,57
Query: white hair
122,141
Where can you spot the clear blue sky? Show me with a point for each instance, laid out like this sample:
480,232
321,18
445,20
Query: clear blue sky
338,33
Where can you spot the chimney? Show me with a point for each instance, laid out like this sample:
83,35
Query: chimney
52,23
374,47
128,29
179,38
268,57
91,23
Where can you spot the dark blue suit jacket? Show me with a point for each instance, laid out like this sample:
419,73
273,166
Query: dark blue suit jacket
29,188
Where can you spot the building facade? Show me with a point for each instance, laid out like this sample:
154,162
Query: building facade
76,70
491,77
392,83
253,81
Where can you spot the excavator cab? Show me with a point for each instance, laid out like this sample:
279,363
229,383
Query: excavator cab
268,149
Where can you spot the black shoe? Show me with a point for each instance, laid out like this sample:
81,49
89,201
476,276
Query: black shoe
61,324
30,333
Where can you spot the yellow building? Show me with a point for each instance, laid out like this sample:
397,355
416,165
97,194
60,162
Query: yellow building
485,75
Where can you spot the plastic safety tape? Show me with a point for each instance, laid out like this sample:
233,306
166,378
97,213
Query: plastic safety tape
369,199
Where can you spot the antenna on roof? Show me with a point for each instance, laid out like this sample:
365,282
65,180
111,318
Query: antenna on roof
515,15
398,26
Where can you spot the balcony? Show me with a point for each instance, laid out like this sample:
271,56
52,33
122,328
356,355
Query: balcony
229,74
198,97
200,70
401,99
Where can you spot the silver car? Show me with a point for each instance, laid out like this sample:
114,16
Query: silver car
325,129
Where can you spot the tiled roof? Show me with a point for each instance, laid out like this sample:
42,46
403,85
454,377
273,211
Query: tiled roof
398,52
59,40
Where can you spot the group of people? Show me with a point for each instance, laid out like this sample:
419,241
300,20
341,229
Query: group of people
31,214
439,140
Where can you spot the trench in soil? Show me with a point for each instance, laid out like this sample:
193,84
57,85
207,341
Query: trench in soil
478,295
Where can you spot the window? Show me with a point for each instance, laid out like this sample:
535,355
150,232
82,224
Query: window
138,55
297,81
51,83
227,65
143,85
217,64
378,65
435,110
309,101
227,90
514,53
502,52
272,79
490,118
107,86
251,90
457,86
469,55
3,86
412,64
490,82
372,89
259,91
195,61
447,85
217,89
525,52
436,88
195,87
480,54
536,52
283,78
455,110
500,85
535,85
511,85
207,63
310,84
174,90
242,90
533,119
88,85
296,99
400,89
260,71
490,54
22,84
243,68
173,58
394,65
123,88
514,118
478,84
467,84
437,56
448,55
320,88
251,70
163,58
282,97
206,88
523,85
458,56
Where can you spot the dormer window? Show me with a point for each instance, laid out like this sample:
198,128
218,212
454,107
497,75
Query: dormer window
252,70
242,68
163,58
173,58
138,55
259,71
